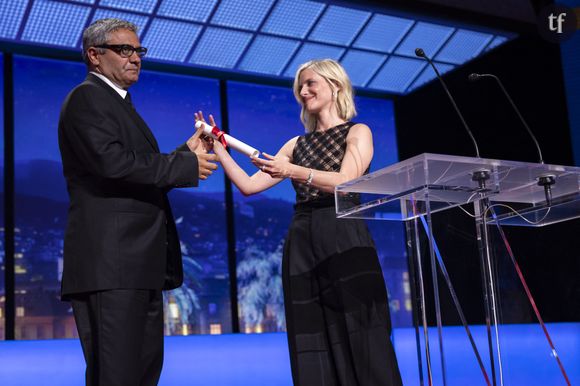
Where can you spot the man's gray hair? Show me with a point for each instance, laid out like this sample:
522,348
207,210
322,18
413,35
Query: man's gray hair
98,33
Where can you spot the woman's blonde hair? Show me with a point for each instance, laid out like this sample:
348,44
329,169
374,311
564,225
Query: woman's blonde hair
338,81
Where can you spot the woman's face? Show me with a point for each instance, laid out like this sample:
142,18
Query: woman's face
315,92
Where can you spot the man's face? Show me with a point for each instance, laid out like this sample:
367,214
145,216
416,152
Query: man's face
121,71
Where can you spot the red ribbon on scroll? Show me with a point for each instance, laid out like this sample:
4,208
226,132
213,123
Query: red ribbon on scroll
219,135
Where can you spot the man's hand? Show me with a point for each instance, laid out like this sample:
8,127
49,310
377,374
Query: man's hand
206,164
195,144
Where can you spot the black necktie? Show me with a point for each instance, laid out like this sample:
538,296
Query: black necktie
128,100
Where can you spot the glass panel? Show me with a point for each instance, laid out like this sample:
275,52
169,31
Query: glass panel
2,250
261,221
389,236
264,117
41,199
167,103
202,304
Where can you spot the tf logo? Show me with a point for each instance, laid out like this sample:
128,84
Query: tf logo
556,23
559,22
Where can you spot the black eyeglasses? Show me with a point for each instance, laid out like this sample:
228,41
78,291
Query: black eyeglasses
125,50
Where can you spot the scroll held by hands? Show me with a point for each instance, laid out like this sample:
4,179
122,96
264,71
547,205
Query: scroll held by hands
227,140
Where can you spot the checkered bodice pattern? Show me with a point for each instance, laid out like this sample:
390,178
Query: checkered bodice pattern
319,150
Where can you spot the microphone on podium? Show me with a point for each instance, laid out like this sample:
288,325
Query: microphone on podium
475,77
544,180
481,175
421,54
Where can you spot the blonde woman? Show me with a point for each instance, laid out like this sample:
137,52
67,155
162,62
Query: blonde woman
337,315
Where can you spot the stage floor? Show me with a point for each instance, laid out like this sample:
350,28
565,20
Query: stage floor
262,359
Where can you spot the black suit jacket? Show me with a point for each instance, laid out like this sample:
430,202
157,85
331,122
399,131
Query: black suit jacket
120,231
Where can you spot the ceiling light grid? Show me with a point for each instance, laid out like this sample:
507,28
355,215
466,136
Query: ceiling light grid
267,37
241,13
11,14
383,33
144,6
361,65
497,41
82,1
463,46
175,49
339,25
268,55
261,44
397,74
139,20
44,23
428,74
292,18
219,47
310,51
396,44
197,11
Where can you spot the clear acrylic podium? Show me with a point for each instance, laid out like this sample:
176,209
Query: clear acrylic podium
500,192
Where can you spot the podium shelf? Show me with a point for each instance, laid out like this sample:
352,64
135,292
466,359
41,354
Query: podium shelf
435,182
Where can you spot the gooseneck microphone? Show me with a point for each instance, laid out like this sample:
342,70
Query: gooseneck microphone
475,77
545,180
420,53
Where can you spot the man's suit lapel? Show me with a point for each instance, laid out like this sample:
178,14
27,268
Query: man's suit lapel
140,123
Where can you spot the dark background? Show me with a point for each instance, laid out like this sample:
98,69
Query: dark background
531,70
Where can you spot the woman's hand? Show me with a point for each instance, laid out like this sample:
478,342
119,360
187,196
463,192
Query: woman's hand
276,166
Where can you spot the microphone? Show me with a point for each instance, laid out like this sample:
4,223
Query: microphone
420,53
475,77
544,180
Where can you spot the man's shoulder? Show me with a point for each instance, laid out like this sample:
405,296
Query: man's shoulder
89,89
91,84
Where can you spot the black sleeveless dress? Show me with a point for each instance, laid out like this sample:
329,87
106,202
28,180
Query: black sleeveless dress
337,315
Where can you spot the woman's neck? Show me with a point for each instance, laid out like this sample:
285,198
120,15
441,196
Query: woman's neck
326,120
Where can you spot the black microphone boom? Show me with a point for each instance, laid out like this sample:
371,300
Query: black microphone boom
545,180
475,77
420,53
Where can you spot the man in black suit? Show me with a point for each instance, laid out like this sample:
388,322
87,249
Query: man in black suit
121,246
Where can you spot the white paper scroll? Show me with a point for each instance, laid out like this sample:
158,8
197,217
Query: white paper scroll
231,141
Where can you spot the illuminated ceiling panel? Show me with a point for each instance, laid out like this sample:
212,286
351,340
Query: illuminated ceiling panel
11,13
268,38
430,37
383,33
310,51
241,13
497,41
339,25
293,18
139,20
183,36
463,46
220,47
45,23
192,10
268,55
428,74
397,74
145,6
361,65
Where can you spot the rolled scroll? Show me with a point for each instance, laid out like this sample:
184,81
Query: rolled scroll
227,140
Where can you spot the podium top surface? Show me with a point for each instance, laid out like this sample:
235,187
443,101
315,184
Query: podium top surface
445,181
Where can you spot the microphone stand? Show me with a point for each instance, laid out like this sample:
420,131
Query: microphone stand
545,180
